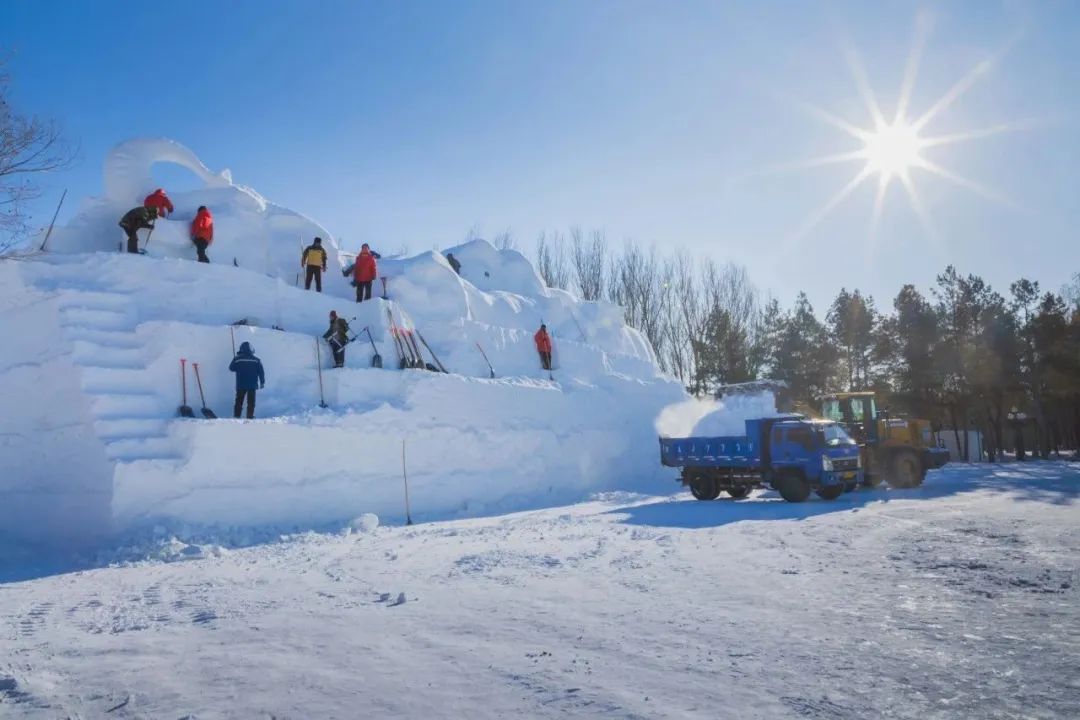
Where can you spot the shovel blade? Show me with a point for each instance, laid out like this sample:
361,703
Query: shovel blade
186,411
208,414
376,361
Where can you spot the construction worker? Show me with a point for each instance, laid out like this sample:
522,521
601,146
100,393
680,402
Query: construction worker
202,232
158,199
454,262
133,221
249,378
314,260
338,337
364,273
543,346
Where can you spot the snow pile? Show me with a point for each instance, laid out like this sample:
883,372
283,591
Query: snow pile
96,446
256,233
715,418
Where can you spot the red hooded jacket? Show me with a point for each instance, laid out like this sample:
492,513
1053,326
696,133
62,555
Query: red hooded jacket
202,227
543,341
365,269
160,200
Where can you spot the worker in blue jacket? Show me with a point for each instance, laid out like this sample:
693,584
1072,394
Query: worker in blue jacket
249,378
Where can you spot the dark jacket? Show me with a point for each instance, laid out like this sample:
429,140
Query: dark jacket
314,255
340,327
140,217
453,262
248,369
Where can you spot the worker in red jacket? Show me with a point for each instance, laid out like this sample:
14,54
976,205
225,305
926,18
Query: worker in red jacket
543,346
158,199
202,232
364,273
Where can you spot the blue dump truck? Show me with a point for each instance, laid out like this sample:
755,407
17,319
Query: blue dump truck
794,455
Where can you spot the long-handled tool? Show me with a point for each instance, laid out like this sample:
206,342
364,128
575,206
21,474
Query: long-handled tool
376,359
431,352
185,409
318,364
419,358
206,412
232,337
147,243
403,361
491,369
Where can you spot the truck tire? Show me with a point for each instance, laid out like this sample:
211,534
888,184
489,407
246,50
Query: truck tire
739,492
905,471
792,487
830,492
871,481
704,489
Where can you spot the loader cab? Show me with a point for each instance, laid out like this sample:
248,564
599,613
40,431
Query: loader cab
856,411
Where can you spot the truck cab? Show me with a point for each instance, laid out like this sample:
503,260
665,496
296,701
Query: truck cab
791,454
807,455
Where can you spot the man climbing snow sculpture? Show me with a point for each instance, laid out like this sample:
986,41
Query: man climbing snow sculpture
543,346
364,272
314,262
338,337
249,378
202,232
454,262
133,221
158,199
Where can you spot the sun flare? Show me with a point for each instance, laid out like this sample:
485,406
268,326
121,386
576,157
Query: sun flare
892,149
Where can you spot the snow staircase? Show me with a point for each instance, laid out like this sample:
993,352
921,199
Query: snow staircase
130,417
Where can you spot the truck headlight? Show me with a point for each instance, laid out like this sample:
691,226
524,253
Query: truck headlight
826,463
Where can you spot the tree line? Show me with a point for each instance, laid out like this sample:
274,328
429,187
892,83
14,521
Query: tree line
962,354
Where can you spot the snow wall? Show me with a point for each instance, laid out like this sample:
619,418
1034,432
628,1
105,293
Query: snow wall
91,445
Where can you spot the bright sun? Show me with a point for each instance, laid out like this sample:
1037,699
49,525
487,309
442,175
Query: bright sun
892,149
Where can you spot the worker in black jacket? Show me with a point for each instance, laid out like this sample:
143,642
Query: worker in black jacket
133,221
338,337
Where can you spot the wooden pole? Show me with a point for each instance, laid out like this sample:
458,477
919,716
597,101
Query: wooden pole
47,234
405,477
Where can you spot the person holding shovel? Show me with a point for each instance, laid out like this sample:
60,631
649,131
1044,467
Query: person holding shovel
135,220
338,337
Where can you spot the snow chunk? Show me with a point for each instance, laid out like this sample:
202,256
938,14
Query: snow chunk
366,523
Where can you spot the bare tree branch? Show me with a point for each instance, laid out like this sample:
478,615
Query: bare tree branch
29,147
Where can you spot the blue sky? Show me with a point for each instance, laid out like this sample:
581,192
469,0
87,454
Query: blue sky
407,123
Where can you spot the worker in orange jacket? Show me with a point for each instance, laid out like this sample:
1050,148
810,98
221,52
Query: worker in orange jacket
202,232
158,199
543,346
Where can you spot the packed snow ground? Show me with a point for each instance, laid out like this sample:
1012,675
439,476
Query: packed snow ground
955,600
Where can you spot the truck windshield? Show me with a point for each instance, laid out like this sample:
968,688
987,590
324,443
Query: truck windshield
833,435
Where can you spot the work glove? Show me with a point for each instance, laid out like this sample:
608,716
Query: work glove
262,385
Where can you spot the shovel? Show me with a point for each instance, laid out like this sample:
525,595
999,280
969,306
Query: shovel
376,359
185,409
206,412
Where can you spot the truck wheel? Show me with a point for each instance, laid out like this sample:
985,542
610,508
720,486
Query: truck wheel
830,492
704,489
905,471
848,487
793,488
739,492
871,481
